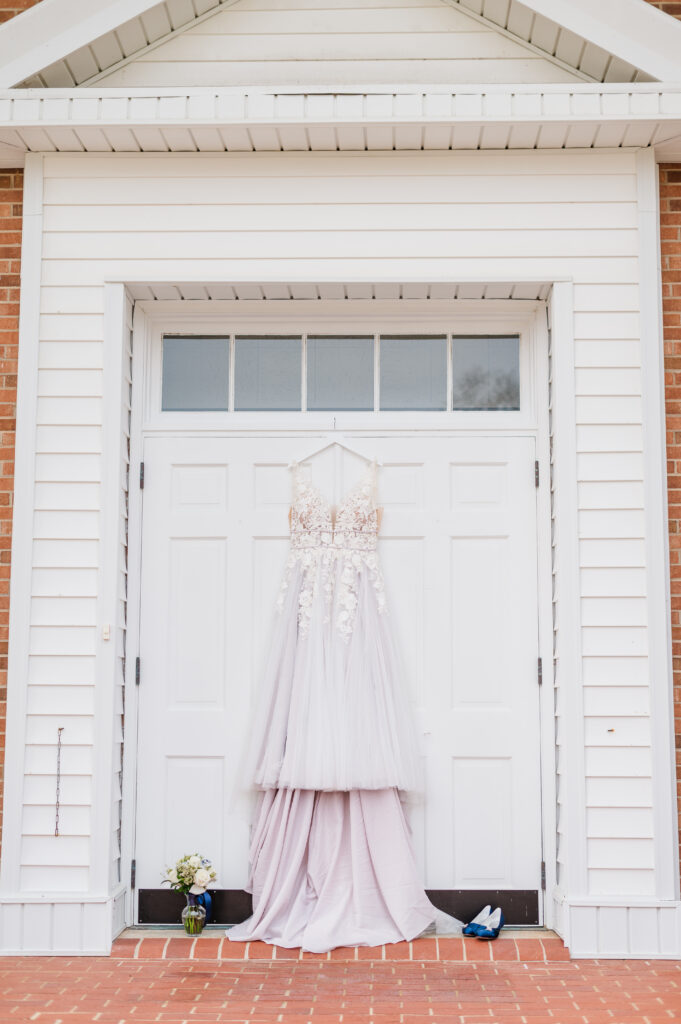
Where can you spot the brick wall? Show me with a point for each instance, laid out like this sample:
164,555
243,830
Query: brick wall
11,185
670,228
10,8
672,7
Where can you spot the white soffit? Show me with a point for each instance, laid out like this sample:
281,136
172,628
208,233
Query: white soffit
57,47
344,291
201,120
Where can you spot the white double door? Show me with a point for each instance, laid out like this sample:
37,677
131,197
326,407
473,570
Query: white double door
458,547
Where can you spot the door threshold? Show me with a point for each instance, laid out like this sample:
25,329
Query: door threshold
174,931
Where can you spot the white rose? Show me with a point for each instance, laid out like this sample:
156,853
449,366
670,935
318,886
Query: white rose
202,877
195,861
172,876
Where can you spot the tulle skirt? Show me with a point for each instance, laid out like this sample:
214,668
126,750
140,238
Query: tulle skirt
334,869
332,749
333,713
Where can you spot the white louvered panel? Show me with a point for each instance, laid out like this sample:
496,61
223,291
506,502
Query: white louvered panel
156,22
294,138
58,76
151,140
408,136
122,139
263,138
581,136
497,11
520,20
545,34
495,137
569,47
106,50
594,61
466,136
610,135
180,12
620,71
131,36
237,139
82,64
552,136
323,137
434,137
36,140
179,140
638,135
66,140
208,139
94,140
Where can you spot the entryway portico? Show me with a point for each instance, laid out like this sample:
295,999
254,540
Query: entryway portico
174,208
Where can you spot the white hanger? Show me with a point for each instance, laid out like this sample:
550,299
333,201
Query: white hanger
329,441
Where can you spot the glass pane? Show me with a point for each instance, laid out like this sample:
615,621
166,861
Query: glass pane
413,373
195,374
340,373
486,372
267,373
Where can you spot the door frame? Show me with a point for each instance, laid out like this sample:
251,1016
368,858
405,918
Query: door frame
527,318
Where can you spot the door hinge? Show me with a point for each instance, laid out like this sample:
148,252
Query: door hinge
141,476
543,874
540,671
536,473
137,671
133,873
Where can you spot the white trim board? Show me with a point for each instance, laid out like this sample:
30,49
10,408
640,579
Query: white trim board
378,119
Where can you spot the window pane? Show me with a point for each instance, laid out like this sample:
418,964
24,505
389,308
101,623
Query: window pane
340,373
267,373
195,374
413,373
486,373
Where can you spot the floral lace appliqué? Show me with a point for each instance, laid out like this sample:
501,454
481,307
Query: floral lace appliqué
328,551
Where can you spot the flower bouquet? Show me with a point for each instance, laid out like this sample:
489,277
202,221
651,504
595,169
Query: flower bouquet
192,875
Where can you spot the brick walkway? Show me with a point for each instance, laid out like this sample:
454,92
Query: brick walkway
128,990
545,947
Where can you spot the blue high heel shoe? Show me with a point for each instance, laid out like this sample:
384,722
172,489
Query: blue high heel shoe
472,926
490,928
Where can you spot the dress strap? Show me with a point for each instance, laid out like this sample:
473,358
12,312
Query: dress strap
373,480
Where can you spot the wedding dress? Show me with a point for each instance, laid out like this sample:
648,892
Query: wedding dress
333,747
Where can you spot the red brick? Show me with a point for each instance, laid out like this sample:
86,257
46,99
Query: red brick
670,201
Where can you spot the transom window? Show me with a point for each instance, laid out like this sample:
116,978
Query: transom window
358,373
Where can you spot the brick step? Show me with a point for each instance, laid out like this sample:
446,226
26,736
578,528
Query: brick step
457,950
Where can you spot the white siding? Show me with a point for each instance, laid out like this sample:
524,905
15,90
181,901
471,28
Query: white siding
313,42
286,216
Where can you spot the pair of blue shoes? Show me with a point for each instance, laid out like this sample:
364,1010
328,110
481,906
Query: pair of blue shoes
487,924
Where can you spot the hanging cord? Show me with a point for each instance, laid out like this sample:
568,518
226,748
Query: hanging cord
58,795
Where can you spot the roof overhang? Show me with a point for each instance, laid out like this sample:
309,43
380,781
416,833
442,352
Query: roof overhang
209,120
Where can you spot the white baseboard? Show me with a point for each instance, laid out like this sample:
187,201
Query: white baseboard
606,929
62,924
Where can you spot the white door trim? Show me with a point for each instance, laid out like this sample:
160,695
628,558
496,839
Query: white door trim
150,319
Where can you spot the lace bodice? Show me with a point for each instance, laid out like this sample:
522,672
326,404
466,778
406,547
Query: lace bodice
332,550
313,524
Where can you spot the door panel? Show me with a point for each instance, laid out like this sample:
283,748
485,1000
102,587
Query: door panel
458,546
